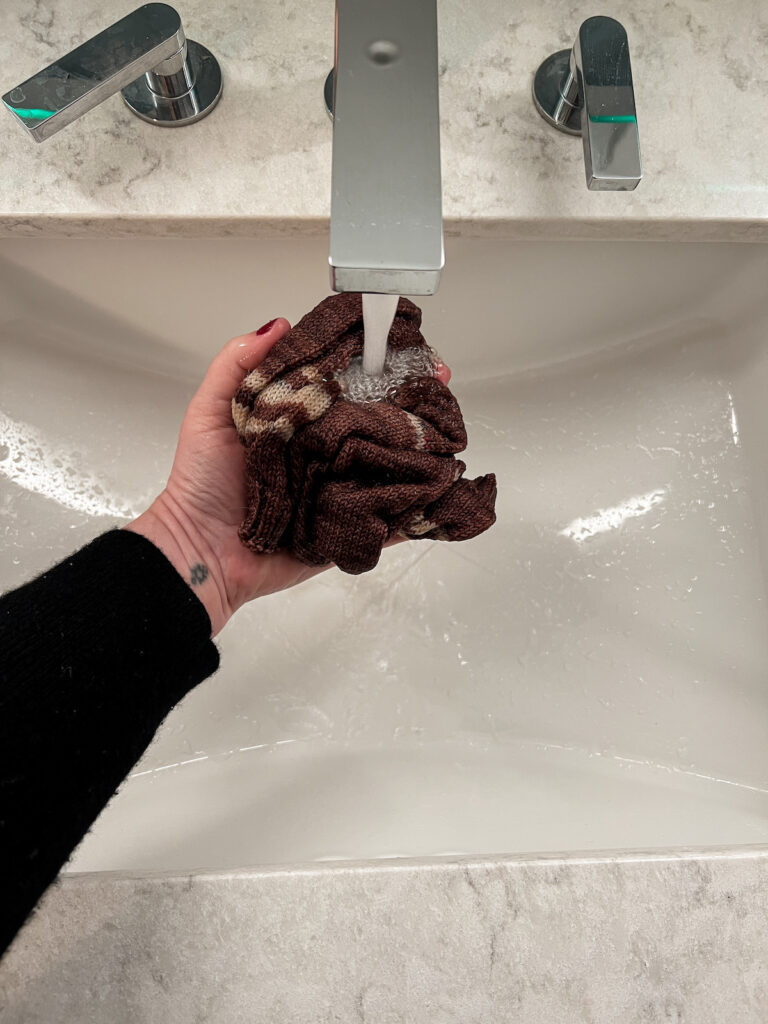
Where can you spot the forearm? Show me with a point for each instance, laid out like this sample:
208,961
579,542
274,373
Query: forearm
94,655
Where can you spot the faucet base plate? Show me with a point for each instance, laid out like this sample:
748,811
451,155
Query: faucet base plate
328,92
548,96
175,111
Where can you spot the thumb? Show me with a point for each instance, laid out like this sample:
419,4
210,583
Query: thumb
238,357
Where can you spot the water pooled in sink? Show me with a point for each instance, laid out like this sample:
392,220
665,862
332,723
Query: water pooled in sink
42,464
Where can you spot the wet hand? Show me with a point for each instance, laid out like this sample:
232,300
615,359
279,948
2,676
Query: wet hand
194,521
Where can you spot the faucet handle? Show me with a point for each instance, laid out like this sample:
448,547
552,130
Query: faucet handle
588,91
165,78
600,57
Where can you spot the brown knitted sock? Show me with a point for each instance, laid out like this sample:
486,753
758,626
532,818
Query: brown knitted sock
331,480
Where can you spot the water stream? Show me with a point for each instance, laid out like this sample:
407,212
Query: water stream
378,315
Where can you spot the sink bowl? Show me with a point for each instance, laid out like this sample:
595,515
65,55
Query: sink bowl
592,674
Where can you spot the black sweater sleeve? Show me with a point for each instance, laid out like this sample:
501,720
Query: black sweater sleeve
93,655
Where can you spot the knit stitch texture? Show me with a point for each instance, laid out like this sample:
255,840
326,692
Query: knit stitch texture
332,480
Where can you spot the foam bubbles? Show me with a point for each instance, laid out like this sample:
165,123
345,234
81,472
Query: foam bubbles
31,459
401,365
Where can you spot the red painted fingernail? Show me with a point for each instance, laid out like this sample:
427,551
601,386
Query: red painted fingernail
266,327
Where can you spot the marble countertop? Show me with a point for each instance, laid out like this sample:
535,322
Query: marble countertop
638,938
259,165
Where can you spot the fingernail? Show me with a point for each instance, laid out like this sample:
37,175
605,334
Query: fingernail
266,327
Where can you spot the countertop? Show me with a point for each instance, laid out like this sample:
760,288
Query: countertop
637,938
260,164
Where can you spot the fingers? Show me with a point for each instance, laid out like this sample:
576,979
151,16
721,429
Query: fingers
238,357
442,372
251,348
399,538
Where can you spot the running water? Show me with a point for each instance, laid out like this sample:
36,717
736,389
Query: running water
378,315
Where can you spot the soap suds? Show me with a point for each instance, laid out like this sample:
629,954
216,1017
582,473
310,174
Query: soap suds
400,366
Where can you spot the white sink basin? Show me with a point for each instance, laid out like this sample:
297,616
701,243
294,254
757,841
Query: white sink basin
590,674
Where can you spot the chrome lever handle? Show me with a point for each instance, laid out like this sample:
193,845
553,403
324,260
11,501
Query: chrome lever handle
588,91
181,79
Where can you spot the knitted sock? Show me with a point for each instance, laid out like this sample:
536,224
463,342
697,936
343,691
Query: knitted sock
331,480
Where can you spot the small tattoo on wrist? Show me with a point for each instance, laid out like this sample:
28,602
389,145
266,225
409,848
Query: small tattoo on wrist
198,574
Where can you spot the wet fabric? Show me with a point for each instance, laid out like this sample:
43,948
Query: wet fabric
331,480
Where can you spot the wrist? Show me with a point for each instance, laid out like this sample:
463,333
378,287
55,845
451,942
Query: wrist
165,524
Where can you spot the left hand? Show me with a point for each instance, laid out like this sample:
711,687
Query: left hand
194,521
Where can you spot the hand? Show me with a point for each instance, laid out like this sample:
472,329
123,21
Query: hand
194,521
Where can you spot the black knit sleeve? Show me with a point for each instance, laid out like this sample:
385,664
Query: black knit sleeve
93,655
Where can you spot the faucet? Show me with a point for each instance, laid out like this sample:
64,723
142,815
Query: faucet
386,197
588,91
165,78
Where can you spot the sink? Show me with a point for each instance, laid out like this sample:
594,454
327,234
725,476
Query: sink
592,674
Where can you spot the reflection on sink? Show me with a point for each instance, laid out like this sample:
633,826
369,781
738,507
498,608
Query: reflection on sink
591,674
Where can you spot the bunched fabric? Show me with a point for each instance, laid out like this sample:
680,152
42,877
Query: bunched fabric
332,480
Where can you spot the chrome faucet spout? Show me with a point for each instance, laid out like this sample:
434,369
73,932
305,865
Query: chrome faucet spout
386,197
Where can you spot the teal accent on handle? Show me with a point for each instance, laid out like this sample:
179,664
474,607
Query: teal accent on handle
613,118
31,113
